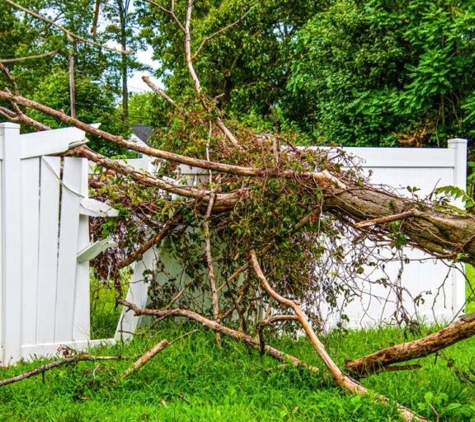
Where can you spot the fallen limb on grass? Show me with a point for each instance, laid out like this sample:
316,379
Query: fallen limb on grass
82,357
383,359
215,326
149,354
341,379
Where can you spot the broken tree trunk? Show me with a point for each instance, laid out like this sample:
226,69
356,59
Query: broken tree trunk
383,359
446,234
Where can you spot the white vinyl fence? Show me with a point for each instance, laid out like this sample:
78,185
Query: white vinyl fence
440,290
438,286
44,247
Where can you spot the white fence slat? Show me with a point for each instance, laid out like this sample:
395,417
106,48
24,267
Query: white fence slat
48,248
1,257
50,142
68,240
95,208
11,242
30,196
137,294
91,251
81,321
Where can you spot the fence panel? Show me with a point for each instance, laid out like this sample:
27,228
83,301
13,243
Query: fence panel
44,290
438,286
48,249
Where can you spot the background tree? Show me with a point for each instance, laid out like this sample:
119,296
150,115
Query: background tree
96,69
245,51
122,27
383,73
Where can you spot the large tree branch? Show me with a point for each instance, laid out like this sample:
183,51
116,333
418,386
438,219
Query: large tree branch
383,359
443,234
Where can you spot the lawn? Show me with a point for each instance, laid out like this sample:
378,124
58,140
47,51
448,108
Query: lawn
195,380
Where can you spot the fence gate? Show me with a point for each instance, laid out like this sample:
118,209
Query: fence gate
44,243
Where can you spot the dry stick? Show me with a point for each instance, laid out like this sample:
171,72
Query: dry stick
339,377
215,326
380,361
42,369
387,219
161,93
61,28
149,354
209,262
209,256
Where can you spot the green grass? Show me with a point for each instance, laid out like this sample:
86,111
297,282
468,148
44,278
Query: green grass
470,288
198,381
195,380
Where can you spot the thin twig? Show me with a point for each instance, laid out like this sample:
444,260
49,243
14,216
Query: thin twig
170,12
65,361
386,219
269,321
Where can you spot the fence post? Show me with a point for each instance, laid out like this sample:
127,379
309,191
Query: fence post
11,292
460,180
460,161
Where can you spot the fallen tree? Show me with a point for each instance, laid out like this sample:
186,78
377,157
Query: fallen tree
263,210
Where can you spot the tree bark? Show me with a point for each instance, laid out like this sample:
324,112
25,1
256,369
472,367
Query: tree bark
380,361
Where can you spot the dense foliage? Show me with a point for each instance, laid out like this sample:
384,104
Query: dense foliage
343,72
98,72
337,71
383,72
